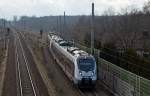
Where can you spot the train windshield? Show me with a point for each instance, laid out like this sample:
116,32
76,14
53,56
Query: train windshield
86,64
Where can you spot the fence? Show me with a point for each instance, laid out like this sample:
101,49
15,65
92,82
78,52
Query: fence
122,82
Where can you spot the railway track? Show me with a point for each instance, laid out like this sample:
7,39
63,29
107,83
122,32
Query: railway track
26,86
28,89
9,85
88,92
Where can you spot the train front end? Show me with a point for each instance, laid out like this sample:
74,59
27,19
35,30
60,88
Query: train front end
86,72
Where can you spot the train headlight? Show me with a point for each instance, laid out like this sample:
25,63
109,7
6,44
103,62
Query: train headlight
80,73
92,73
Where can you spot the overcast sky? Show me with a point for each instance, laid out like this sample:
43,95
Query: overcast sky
9,8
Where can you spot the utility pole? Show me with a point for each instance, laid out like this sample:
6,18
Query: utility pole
64,29
15,20
24,24
57,26
60,33
145,38
4,24
92,30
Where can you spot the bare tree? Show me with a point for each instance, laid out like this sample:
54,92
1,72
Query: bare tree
146,7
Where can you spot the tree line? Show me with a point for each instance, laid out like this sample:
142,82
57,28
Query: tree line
123,38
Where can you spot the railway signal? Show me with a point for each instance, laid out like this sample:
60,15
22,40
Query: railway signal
8,30
4,30
41,32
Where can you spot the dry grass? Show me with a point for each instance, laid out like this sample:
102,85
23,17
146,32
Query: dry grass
43,72
3,60
2,55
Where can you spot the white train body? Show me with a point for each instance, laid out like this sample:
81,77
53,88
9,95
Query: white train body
82,68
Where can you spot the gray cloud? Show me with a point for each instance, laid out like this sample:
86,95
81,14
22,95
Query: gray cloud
9,8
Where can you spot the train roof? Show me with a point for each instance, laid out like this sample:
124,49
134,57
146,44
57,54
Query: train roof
73,48
81,52
56,38
65,43
77,52
68,45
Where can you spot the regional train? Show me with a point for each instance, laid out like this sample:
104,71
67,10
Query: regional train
77,64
